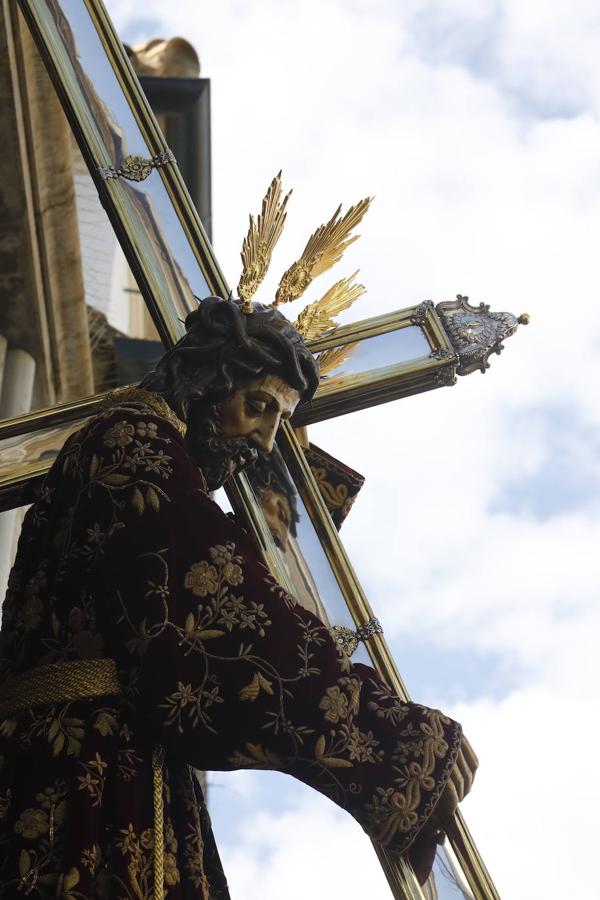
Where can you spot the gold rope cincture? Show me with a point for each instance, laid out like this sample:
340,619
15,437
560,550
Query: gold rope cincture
78,680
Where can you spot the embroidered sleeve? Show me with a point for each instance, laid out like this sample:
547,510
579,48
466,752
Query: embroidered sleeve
230,671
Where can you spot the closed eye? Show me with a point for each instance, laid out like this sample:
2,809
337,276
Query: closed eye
255,408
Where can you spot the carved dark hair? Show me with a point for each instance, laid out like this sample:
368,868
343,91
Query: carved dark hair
225,347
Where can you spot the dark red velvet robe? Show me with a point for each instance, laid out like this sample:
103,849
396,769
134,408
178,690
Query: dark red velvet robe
126,556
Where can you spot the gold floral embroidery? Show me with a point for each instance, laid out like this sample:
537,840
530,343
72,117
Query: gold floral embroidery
361,746
93,779
66,884
393,811
63,732
32,823
119,435
223,556
335,704
253,689
91,858
201,579
195,701
257,757
194,861
146,430
141,857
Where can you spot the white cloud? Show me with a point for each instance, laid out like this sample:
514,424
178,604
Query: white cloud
534,812
476,127
311,850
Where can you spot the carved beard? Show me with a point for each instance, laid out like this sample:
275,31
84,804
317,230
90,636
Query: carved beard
216,456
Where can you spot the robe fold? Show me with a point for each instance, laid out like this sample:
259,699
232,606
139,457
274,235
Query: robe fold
126,556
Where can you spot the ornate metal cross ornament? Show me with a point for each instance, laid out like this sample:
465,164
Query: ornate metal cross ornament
475,332
349,640
137,168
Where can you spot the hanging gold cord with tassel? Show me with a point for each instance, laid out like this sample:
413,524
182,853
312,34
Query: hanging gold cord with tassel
158,758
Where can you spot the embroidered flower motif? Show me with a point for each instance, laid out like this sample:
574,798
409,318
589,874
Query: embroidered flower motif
51,796
184,695
221,555
170,869
335,704
118,435
92,858
32,823
361,746
228,618
95,535
232,573
353,687
129,843
146,429
170,839
87,781
201,579
414,775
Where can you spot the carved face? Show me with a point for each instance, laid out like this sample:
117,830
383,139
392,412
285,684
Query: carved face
226,438
256,410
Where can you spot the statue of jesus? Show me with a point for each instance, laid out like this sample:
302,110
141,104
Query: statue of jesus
143,639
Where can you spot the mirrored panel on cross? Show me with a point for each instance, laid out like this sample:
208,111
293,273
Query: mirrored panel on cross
365,358
297,552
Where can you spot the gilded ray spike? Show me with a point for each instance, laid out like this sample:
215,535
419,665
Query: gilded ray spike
318,317
332,359
263,234
324,248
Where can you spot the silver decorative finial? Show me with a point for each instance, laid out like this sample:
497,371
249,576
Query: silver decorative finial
475,332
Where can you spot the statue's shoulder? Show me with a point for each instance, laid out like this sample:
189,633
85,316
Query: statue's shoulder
135,402
125,415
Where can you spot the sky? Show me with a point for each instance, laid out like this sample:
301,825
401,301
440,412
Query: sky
475,125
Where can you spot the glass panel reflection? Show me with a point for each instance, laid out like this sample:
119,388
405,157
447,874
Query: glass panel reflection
297,544
24,455
95,88
82,327
360,361
446,881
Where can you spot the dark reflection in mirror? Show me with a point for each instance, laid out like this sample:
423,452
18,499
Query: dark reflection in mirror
298,545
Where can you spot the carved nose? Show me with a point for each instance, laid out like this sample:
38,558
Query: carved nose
265,439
